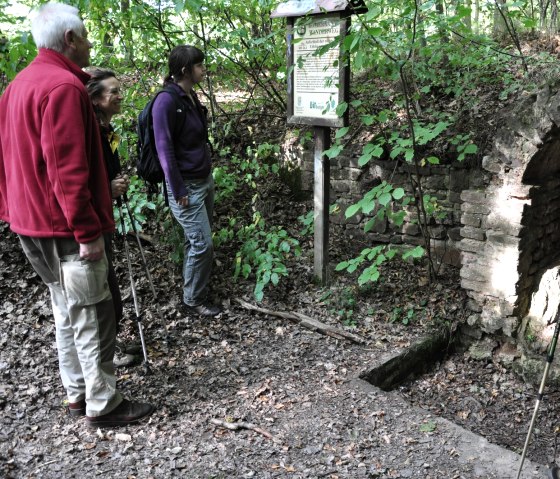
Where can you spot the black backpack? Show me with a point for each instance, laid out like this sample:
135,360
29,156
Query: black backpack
148,166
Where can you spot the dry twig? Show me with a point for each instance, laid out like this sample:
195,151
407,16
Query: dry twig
307,322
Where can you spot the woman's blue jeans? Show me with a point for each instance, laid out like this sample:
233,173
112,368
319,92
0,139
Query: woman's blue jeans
196,221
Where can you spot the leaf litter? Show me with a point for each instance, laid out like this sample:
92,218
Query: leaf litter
279,386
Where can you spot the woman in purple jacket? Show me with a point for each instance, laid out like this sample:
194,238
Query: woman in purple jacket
181,138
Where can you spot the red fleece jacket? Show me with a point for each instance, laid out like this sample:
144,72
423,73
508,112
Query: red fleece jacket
53,181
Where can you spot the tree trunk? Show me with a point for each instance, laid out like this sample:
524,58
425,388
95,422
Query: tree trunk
421,30
500,30
543,9
553,17
442,32
477,16
467,20
127,32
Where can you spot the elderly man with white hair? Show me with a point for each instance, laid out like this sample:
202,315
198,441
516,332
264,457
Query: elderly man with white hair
55,195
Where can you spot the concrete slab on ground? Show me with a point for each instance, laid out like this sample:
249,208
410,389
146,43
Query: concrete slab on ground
450,451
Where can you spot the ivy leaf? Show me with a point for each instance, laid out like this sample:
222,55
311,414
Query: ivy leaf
375,31
369,225
391,253
364,160
259,295
385,199
333,151
341,108
470,149
368,206
355,41
359,60
417,252
352,210
368,275
398,193
342,265
368,119
266,277
529,23
373,252
341,132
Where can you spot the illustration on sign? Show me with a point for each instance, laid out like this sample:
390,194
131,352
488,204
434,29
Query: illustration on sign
316,77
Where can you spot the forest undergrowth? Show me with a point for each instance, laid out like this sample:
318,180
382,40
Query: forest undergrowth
256,368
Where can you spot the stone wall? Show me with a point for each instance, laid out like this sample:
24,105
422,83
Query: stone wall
349,182
502,220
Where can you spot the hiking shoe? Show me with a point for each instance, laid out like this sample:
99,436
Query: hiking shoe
205,310
127,412
553,472
127,354
128,348
121,360
77,409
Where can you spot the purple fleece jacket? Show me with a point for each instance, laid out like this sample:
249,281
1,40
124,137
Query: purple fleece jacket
184,154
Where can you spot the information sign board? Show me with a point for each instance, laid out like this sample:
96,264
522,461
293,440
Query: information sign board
318,80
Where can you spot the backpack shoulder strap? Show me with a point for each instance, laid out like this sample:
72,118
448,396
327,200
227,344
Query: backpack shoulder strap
179,103
175,95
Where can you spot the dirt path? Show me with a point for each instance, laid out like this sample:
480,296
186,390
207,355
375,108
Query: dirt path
312,417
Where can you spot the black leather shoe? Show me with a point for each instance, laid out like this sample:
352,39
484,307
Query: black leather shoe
205,310
127,412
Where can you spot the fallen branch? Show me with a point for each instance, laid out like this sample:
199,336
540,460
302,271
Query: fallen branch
235,426
307,322
143,236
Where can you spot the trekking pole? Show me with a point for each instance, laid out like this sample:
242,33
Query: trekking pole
133,288
148,274
549,359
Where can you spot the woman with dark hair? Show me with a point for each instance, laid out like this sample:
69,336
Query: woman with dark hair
105,92
181,139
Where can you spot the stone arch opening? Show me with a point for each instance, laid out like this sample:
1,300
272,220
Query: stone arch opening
510,247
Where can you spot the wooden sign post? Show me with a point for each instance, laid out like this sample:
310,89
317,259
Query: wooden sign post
317,83
321,197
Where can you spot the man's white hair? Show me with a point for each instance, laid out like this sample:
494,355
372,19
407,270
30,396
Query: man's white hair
49,23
